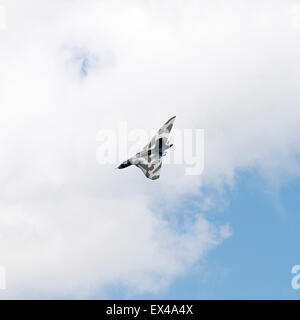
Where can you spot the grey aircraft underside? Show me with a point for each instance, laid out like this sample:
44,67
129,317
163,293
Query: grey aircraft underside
149,159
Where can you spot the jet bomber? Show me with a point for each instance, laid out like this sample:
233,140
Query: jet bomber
149,159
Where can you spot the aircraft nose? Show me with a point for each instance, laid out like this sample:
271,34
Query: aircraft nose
124,164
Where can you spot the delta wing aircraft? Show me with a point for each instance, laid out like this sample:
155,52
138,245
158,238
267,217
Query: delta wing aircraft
149,159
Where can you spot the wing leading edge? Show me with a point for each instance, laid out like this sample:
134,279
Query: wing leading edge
163,133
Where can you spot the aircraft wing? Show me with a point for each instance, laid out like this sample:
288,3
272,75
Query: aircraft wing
163,133
151,169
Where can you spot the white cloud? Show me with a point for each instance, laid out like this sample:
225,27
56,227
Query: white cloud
69,226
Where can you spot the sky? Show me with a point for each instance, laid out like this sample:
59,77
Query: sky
256,262
73,228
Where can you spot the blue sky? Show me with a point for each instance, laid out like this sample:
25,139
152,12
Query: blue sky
256,261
